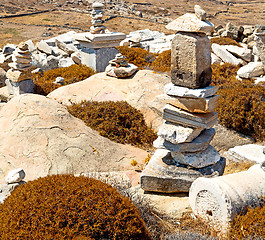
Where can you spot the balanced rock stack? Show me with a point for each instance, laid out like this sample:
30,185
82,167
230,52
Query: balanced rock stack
184,152
97,22
19,75
120,68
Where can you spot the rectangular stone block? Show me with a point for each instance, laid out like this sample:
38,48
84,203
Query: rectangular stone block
191,60
196,105
260,44
16,88
194,120
162,174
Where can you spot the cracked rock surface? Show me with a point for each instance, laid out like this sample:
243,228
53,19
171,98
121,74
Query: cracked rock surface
40,136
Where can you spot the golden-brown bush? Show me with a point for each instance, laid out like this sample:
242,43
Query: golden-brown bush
137,56
224,41
117,121
249,226
162,62
223,73
75,73
68,207
242,107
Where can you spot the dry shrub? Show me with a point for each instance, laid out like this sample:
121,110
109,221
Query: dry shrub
75,73
162,62
68,207
224,73
117,121
242,107
137,56
235,167
224,41
249,226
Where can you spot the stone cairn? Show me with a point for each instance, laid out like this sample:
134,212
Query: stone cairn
119,67
19,75
183,152
97,22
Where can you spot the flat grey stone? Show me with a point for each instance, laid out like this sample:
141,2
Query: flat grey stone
260,44
174,90
16,88
162,174
43,47
240,52
202,159
176,133
194,120
200,143
252,69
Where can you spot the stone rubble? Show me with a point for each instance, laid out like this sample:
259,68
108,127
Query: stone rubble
119,67
19,75
97,22
184,152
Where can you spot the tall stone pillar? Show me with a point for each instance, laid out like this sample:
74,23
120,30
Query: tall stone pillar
183,146
99,43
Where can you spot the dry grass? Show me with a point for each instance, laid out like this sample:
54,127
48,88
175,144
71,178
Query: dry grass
235,167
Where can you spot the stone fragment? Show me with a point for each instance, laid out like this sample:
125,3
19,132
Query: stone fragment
232,30
200,143
252,69
9,49
17,76
43,47
162,174
178,91
77,57
20,66
241,52
175,133
65,62
202,159
7,189
52,62
221,52
21,87
31,46
2,77
249,152
121,72
190,23
200,13
260,44
195,120
59,80
190,60
68,48
215,59
196,105
220,199
15,176
248,30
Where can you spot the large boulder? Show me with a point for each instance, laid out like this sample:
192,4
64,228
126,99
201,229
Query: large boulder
40,136
140,90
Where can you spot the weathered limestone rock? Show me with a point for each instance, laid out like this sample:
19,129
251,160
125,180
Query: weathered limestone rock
202,159
221,52
215,59
68,48
249,152
196,105
240,52
176,115
200,13
252,69
21,87
15,176
66,62
8,49
163,174
7,189
43,47
220,199
97,22
190,23
260,44
200,143
191,60
174,90
175,133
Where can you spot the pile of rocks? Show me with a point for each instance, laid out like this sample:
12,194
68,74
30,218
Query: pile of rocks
184,153
97,22
120,68
19,75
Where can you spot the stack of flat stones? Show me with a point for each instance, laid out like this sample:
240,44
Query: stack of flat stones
119,67
183,146
97,22
19,75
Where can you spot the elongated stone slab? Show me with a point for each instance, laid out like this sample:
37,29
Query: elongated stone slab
200,143
202,159
194,120
176,133
178,91
18,76
197,105
162,174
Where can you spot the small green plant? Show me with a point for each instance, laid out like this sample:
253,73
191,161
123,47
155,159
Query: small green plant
68,207
117,121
